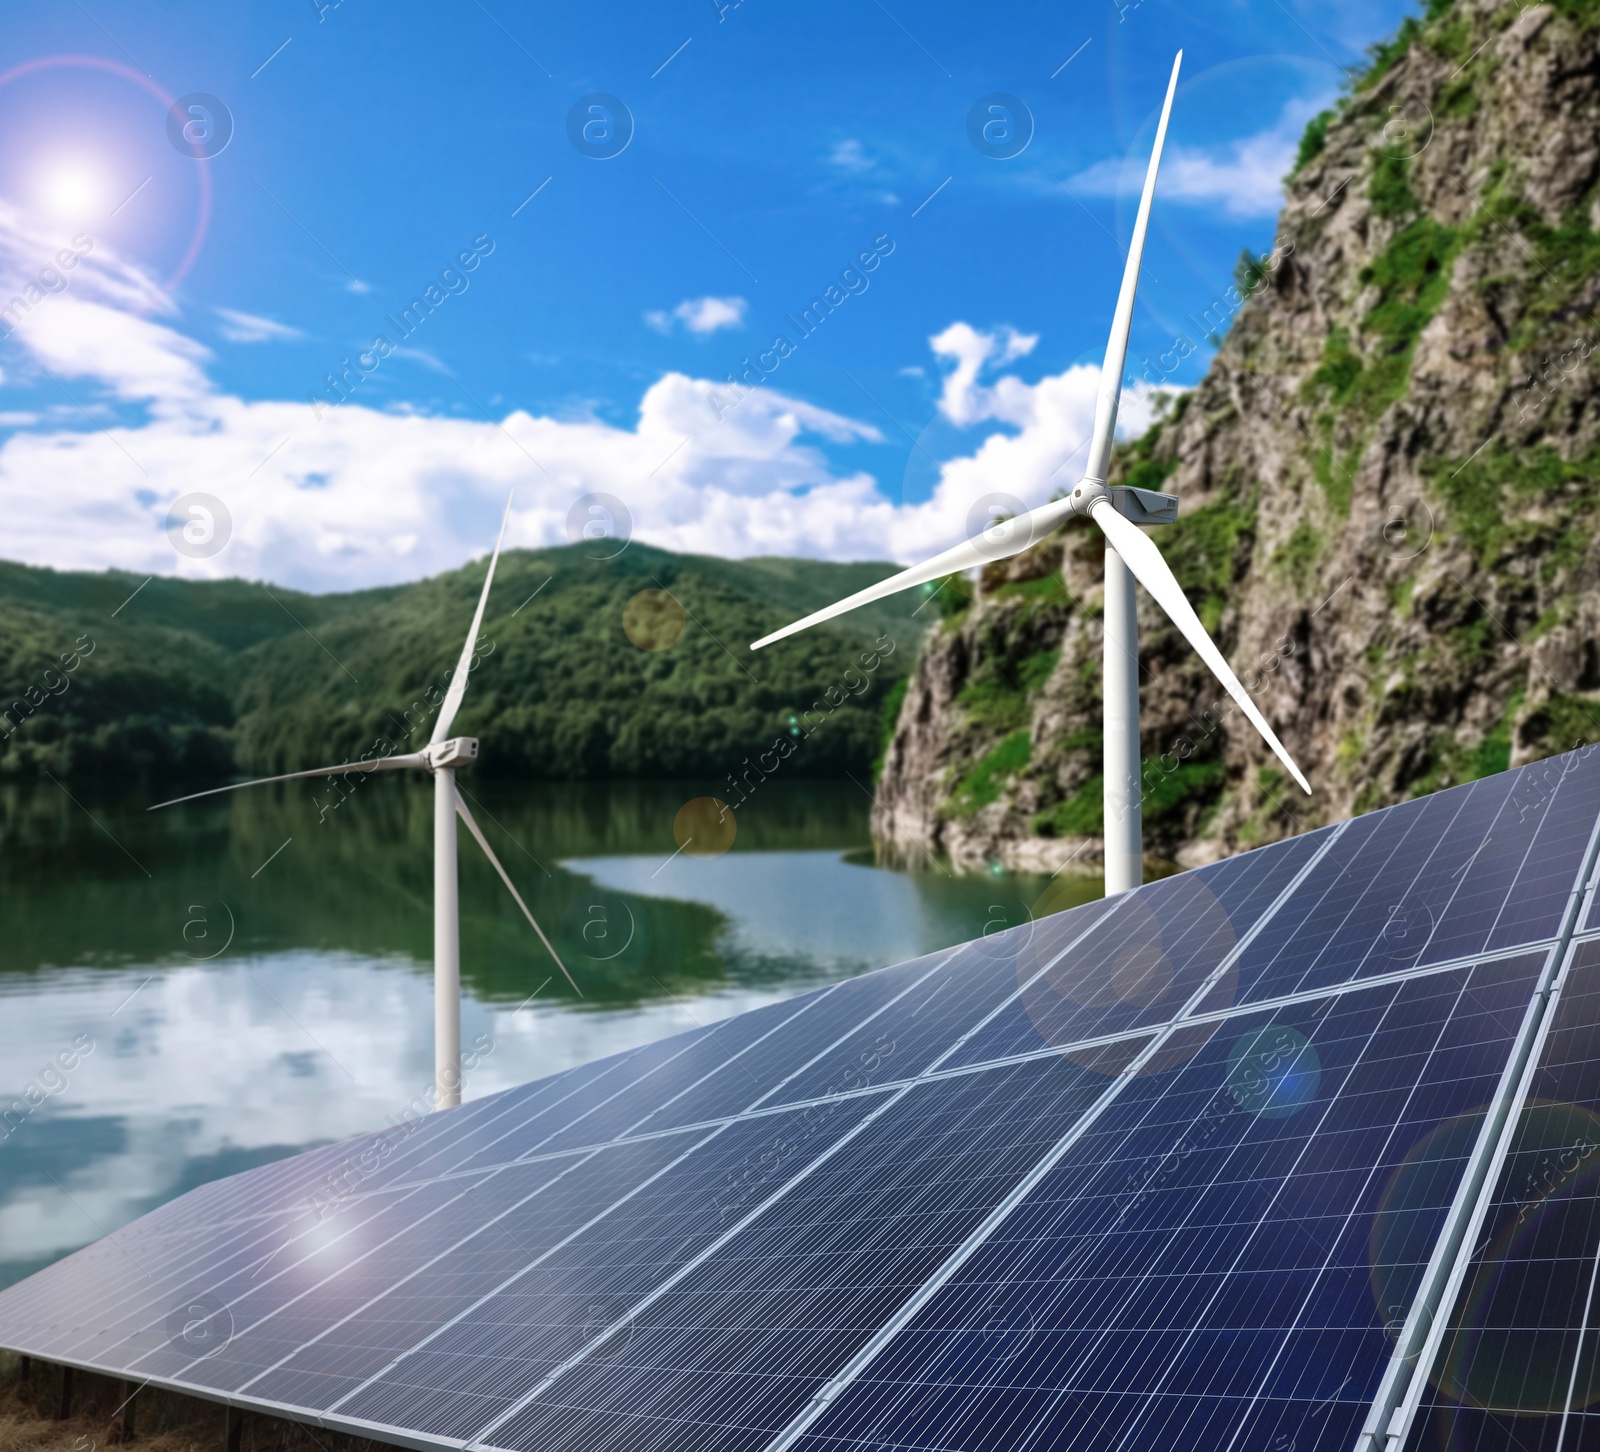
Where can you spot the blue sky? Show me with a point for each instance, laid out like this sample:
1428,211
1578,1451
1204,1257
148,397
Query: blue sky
608,297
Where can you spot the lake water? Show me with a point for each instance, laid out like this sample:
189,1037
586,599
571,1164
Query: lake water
196,991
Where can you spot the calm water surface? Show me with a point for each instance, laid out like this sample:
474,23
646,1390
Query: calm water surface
230,982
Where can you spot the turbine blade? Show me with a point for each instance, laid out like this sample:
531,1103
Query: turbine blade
1105,409
488,851
458,681
386,763
999,542
1140,554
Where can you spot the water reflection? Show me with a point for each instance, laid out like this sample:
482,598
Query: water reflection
253,975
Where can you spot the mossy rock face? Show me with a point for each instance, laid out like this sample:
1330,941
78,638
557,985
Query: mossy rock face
1389,482
987,779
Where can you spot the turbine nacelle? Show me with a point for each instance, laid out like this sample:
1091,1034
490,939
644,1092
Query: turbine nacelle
457,751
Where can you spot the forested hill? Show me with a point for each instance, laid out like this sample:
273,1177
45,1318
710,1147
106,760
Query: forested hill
632,667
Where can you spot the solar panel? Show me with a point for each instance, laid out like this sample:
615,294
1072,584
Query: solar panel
1194,1270
1192,1166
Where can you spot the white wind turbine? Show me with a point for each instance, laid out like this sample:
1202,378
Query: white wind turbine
442,755
1130,555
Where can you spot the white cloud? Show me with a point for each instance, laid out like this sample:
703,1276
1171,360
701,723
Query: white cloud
849,157
426,357
962,400
702,315
240,327
1244,177
362,497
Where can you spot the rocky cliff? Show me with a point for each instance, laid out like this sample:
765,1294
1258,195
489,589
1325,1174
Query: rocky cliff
1390,485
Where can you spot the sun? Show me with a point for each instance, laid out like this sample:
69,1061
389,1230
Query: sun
72,191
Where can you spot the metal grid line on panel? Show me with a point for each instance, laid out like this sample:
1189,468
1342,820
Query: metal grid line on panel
571,1200
1399,1395
786,1014
1240,1254
1447,1373
1171,934
489,1295
750,1334
936,963
1456,899
1527,1287
466,1374
449,1250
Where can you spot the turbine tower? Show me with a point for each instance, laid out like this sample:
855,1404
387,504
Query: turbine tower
442,755
1130,556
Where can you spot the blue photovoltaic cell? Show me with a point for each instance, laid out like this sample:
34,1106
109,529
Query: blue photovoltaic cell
809,1057
451,1385
1213,1264
1520,1365
754,1331
1146,957
970,1198
902,1021
1478,868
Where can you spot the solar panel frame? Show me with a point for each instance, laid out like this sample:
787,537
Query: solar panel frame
1394,1406
1553,1272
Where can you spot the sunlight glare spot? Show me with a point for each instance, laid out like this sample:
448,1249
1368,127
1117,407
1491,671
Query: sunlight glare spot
72,191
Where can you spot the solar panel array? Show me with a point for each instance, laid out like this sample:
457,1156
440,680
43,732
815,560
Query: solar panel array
1298,1150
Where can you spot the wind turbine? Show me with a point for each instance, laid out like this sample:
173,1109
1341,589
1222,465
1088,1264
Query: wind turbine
442,755
1130,555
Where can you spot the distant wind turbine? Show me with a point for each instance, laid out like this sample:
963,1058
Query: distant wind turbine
442,755
1118,512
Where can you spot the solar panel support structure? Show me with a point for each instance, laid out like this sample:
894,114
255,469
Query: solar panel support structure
1405,1378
